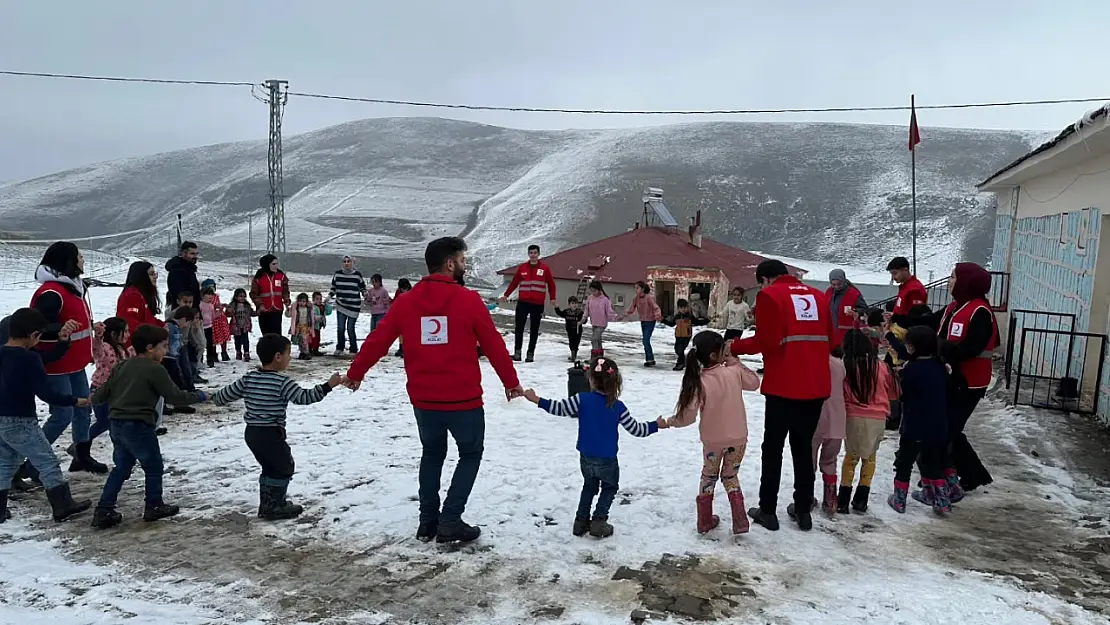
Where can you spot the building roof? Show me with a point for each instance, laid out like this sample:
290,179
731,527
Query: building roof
630,254
1068,131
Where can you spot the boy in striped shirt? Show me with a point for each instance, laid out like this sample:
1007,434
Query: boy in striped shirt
267,393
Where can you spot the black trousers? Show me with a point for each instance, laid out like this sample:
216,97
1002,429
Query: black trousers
174,369
210,346
962,456
930,456
796,420
680,345
269,322
268,445
532,314
242,343
574,335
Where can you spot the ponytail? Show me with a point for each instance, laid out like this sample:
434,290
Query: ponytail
704,347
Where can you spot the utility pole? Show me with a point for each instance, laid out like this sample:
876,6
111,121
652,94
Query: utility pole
275,230
250,243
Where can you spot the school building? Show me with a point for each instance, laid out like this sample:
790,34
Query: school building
1050,230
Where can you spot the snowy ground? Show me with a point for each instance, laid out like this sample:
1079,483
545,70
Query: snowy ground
1031,549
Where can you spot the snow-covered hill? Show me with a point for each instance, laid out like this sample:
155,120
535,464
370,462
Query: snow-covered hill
381,188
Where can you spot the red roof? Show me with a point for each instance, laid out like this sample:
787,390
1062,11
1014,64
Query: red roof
631,253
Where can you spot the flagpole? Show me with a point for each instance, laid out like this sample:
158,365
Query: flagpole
913,192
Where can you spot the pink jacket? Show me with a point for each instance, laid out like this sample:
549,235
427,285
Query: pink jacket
879,406
724,422
599,310
645,308
831,425
105,359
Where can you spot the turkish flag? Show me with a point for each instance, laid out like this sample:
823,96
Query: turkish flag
915,134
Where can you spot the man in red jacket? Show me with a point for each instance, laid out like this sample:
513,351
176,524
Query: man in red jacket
535,280
792,330
910,290
441,322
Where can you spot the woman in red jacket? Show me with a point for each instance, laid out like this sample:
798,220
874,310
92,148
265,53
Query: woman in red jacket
139,302
270,294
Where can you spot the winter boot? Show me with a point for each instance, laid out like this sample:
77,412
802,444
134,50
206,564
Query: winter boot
768,520
516,356
4,514
952,486
941,504
581,527
238,354
706,519
160,511
678,366
859,502
273,506
600,527
531,357
21,486
897,500
927,494
247,356
842,499
83,460
649,363
457,532
62,503
828,497
224,357
804,518
740,524
426,531
103,518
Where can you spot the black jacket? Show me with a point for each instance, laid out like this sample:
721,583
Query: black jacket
181,277
926,386
53,354
573,317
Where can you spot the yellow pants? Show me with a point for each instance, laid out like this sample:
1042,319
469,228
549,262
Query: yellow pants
721,464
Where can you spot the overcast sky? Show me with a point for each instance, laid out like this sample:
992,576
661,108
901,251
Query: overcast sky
622,54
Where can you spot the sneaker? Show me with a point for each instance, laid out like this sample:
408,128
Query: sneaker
103,518
457,532
160,511
581,527
427,530
600,527
767,520
650,363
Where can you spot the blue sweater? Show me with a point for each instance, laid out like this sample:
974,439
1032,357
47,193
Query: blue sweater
925,388
597,423
22,377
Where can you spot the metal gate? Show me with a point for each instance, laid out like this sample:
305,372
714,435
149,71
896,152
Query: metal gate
1039,319
1058,369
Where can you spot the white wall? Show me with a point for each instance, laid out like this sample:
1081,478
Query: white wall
1069,189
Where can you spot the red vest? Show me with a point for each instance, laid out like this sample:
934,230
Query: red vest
80,352
800,369
271,289
844,321
977,370
910,294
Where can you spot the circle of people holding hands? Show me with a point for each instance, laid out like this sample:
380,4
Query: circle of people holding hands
835,375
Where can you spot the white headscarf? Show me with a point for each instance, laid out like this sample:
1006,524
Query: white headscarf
45,274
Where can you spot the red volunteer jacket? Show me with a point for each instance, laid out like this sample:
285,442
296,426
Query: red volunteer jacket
132,308
844,320
977,370
534,281
80,352
439,322
270,292
910,294
792,330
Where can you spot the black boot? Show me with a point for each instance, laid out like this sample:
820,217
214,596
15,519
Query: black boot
20,486
160,511
600,527
62,503
83,460
802,517
581,527
457,532
531,357
426,533
4,514
273,506
769,520
27,471
516,356
183,410
103,518
842,498
859,502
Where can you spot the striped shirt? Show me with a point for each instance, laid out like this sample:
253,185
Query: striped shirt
347,290
597,422
267,395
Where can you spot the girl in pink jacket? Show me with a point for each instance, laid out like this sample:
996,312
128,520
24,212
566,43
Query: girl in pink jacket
829,436
713,385
868,389
599,310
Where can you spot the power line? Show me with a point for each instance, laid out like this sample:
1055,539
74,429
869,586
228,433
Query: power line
161,81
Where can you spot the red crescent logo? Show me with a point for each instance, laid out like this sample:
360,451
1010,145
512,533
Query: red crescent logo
437,325
807,305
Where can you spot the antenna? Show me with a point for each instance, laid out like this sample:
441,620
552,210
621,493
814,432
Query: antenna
655,210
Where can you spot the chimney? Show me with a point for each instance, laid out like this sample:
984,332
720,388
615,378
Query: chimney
695,230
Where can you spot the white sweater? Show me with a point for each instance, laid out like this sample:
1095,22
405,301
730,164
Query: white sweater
736,316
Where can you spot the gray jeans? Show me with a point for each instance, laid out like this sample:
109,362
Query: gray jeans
596,332
21,437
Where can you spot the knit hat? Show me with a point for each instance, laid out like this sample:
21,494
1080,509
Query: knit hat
208,282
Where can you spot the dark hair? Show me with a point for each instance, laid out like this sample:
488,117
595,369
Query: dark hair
269,346
889,306
183,312
605,378
316,294
237,293
186,294
923,340
644,287
705,345
376,277
302,297
898,263
264,266
138,278
186,246
861,365
533,247
62,258
770,269
572,299
207,291
440,251
596,285
404,283
739,290
114,329
920,310
837,352
25,322
147,336
682,303
875,318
